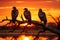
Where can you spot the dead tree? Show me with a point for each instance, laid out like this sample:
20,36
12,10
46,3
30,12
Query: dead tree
53,30
57,21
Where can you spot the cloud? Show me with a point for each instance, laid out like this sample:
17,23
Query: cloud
4,7
30,3
58,0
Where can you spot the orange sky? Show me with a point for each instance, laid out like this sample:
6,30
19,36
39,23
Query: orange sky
49,7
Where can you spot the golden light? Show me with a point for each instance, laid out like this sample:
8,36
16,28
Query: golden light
2,38
26,38
24,24
27,25
43,38
32,25
9,38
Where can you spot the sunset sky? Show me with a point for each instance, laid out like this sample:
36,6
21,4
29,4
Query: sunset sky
48,6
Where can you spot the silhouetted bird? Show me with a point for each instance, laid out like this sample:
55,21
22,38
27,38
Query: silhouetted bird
42,16
27,15
14,14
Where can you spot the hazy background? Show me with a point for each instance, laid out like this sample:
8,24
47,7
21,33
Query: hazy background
49,7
